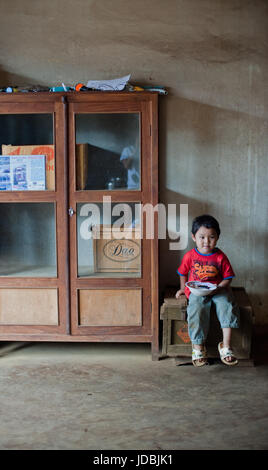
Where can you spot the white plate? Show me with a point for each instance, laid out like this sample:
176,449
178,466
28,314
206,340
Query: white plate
200,288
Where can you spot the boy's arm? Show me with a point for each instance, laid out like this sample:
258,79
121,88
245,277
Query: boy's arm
182,284
227,274
225,283
183,268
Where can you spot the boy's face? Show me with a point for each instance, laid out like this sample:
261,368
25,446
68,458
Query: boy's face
206,240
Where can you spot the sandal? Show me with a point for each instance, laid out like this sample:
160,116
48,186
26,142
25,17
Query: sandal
227,352
199,357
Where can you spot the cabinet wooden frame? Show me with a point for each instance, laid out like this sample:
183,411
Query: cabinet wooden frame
32,105
64,106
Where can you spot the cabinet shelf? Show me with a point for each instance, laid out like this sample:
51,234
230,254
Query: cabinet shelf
20,270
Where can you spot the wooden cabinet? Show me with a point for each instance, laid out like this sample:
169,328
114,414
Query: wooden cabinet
76,263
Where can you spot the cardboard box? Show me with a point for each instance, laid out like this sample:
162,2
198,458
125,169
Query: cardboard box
116,255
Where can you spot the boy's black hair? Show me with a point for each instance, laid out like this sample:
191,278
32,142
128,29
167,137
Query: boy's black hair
206,221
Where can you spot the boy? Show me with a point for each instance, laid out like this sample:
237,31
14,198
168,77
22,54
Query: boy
206,263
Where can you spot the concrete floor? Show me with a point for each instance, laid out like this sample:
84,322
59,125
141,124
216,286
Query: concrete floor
113,396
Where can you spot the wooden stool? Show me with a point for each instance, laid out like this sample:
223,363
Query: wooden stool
176,341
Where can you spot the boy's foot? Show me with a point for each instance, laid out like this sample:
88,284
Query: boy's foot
227,356
199,357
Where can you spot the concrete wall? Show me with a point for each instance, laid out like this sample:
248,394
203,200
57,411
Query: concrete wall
212,56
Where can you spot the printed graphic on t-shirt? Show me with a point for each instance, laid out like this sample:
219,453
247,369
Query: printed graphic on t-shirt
203,271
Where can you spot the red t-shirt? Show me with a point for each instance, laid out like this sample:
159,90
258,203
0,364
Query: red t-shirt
205,268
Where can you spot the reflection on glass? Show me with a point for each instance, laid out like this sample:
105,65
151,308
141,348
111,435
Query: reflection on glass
109,240
27,240
23,136
107,151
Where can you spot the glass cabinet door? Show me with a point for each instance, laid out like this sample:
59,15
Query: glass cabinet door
28,240
33,212
107,151
109,240
27,160
27,163
110,259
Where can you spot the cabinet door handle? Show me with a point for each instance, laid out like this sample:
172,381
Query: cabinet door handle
71,212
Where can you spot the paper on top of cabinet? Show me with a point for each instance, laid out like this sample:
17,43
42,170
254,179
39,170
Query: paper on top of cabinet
117,84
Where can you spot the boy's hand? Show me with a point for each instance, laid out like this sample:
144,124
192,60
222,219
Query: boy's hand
216,291
213,292
179,293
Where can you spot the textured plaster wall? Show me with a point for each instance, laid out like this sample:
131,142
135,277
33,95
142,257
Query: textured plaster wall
212,56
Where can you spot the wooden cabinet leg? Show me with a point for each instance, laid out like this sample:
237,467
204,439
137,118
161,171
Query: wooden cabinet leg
155,351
